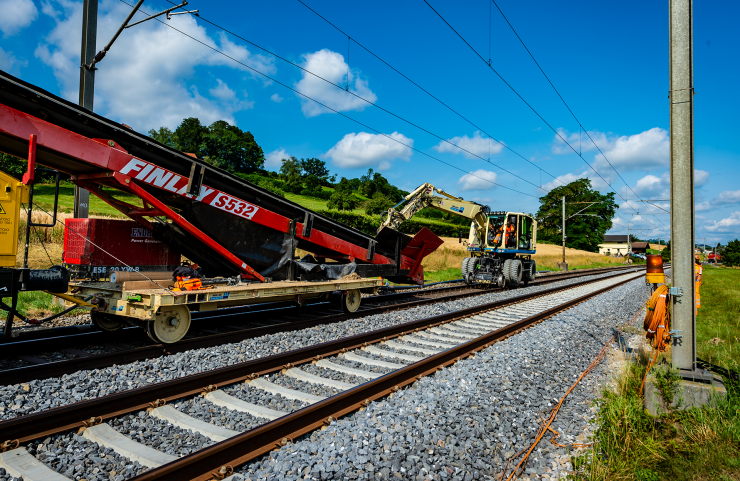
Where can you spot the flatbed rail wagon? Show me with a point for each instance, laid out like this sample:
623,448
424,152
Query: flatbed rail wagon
228,226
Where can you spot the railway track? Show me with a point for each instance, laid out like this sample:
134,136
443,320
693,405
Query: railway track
320,382
209,329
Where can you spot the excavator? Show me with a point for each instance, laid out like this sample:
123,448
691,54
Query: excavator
501,244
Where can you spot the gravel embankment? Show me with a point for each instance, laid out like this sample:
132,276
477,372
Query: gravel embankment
20,399
466,421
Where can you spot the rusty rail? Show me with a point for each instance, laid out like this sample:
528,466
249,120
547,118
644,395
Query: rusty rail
206,463
99,361
73,416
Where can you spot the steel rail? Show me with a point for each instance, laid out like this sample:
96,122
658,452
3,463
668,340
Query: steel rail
99,361
76,415
89,334
214,460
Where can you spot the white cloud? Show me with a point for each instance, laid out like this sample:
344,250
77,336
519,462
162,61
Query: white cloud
578,141
701,177
370,150
654,187
564,179
17,15
729,224
477,180
9,63
274,159
475,146
332,67
228,98
143,81
701,207
727,197
644,151
276,98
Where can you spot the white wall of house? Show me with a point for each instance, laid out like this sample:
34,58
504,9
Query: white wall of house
614,248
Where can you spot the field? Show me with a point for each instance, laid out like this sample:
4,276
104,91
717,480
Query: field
444,263
718,319
699,444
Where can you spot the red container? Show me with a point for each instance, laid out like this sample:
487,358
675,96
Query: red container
99,246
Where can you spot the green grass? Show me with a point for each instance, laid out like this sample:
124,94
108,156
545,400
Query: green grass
36,304
698,444
591,265
629,444
43,196
719,317
442,275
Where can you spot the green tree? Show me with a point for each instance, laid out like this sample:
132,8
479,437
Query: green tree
666,253
342,198
164,136
583,232
315,168
379,203
229,147
188,136
731,254
374,182
13,166
291,173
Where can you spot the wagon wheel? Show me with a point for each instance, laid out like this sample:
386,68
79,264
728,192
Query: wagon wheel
351,300
106,322
170,324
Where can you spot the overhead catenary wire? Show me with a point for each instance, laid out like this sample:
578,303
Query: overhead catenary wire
472,154
331,109
511,87
431,95
580,126
391,113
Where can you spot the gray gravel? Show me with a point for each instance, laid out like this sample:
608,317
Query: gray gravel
332,374
298,385
466,421
360,365
263,398
159,434
77,458
199,408
49,393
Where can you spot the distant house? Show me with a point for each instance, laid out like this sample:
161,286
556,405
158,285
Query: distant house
614,245
640,247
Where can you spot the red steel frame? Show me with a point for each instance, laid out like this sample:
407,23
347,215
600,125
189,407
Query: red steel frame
129,173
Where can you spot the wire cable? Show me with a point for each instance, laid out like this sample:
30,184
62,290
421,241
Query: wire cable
431,95
528,104
336,111
366,126
581,127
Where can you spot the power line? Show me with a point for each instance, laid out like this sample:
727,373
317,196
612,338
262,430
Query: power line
326,106
525,101
565,103
368,101
350,118
431,95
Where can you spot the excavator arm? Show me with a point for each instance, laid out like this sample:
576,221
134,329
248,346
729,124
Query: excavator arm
423,197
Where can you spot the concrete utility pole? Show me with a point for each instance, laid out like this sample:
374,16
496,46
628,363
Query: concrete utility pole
563,266
682,182
87,85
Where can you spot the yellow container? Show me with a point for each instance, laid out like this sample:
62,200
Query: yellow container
12,194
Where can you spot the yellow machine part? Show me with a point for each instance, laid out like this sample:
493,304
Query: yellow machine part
655,278
12,194
71,298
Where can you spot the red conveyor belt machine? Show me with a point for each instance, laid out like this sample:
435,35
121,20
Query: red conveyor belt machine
224,223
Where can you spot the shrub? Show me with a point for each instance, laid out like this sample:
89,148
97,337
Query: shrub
378,204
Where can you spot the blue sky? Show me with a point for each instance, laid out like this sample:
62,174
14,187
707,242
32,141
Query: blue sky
609,63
